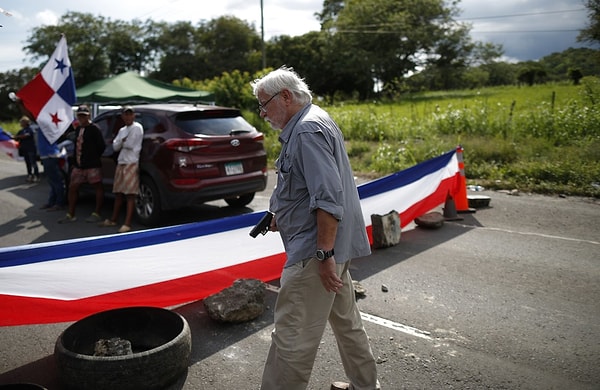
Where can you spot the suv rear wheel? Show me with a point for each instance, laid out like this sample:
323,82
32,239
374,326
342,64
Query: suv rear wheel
240,201
147,203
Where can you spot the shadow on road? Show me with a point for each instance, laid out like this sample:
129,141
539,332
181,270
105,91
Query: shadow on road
208,337
33,196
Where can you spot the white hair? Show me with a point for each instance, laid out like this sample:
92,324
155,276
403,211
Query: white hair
280,79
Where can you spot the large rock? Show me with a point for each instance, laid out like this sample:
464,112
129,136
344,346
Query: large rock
432,220
243,301
114,346
386,229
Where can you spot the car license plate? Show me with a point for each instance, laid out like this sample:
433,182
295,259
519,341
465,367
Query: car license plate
234,168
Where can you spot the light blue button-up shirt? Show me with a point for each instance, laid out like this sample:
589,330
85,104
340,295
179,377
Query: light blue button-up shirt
313,172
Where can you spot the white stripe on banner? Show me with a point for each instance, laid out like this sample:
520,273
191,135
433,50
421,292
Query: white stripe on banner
96,267
85,276
400,199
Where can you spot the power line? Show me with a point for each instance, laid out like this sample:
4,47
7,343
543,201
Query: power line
478,32
524,31
524,14
358,29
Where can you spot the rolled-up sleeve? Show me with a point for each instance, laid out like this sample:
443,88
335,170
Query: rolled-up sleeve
324,185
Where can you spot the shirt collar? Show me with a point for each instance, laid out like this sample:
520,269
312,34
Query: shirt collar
286,133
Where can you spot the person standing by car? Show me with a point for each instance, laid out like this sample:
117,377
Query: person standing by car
318,214
50,156
128,143
27,149
87,165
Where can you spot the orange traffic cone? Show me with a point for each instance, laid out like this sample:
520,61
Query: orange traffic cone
461,201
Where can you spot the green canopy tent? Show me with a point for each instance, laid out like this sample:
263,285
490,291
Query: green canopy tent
131,88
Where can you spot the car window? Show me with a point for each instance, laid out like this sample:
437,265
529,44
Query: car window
106,126
196,124
148,122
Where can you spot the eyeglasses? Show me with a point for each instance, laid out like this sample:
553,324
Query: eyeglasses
263,106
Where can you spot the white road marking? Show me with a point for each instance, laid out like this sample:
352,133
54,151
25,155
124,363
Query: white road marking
380,321
531,234
396,326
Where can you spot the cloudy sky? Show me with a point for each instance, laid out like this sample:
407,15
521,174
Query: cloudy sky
527,29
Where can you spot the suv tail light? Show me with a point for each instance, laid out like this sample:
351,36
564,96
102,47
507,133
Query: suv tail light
186,145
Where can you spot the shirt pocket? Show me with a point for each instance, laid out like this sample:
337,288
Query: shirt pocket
284,177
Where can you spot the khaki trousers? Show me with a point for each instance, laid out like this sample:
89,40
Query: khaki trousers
301,313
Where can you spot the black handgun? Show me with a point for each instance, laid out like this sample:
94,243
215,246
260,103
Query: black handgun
262,226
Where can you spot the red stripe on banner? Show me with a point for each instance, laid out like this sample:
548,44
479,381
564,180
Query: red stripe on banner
10,148
18,310
36,94
425,205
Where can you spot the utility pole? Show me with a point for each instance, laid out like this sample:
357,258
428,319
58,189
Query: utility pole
262,35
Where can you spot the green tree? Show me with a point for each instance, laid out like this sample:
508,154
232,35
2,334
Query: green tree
315,57
450,58
12,81
227,44
475,77
98,47
592,32
485,53
387,39
575,75
87,45
501,73
177,47
531,73
125,50
584,59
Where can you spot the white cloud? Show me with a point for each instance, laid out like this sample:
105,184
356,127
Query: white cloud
47,18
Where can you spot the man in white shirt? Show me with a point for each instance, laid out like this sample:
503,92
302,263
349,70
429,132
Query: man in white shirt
127,178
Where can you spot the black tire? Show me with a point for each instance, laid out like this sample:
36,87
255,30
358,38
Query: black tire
147,204
240,201
160,339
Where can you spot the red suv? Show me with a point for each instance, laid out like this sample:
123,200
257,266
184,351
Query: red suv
190,154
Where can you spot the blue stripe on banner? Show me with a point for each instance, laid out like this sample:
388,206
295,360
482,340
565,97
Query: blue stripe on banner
36,253
407,176
4,136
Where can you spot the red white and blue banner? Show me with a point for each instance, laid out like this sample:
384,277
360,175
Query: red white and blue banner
9,146
49,97
68,280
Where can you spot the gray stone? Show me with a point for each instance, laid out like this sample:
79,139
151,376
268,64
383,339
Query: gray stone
386,229
243,301
115,346
432,220
359,290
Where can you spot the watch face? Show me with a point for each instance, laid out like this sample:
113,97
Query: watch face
320,255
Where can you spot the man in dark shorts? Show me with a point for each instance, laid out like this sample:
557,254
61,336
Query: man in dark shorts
87,165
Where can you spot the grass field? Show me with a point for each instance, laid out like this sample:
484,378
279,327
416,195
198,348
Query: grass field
543,139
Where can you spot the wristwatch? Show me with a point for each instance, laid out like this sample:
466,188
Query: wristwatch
322,255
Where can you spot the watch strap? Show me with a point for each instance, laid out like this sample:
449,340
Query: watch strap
326,254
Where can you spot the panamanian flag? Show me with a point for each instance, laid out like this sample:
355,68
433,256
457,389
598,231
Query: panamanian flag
49,97
8,145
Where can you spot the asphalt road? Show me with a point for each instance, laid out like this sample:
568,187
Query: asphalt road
508,298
